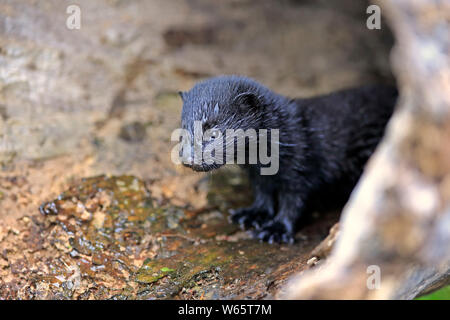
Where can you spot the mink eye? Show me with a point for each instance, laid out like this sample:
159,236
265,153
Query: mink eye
214,134
207,126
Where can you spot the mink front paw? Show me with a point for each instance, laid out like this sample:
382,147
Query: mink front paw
274,232
248,217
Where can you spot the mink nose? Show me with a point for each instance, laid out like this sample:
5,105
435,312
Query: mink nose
186,156
187,160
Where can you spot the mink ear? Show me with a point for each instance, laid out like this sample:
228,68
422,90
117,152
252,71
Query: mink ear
246,100
181,93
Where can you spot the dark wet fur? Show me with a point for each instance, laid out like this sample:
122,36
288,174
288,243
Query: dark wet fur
325,142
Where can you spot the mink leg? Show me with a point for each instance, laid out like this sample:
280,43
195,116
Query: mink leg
258,213
282,227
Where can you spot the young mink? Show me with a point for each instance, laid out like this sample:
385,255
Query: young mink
324,143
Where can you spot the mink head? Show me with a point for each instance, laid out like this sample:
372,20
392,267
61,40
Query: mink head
213,106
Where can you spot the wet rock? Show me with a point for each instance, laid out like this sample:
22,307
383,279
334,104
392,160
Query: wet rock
106,237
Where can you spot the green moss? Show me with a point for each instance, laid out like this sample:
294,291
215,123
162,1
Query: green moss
150,277
165,269
441,294
184,266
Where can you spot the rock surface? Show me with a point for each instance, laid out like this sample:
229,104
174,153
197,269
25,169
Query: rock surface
107,238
